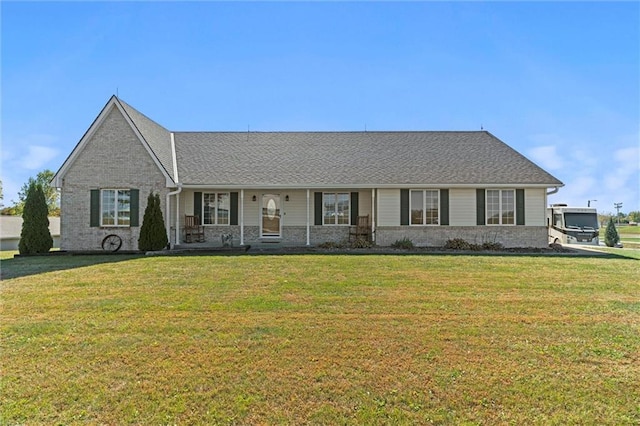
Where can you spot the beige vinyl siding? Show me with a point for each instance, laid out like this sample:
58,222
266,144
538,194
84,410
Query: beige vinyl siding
462,207
295,210
388,207
364,203
186,207
251,208
534,207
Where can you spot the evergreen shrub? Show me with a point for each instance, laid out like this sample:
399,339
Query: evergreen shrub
611,236
35,236
153,234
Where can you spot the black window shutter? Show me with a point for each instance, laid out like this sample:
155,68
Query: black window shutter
480,208
234,209
134,198
404,207
94,211
354,208
444,207
197,205
519,206
317,208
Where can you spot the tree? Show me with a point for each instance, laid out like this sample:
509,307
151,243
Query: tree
634,216
51,195
153,235
35,236
611,236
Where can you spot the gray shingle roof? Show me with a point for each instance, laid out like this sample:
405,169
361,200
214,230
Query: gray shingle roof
312,159
156,136
352,158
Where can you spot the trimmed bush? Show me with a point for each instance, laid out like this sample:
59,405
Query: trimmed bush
153,234
35,236
361,243
460,244
404,243
611,236
488,245
330,245
457,244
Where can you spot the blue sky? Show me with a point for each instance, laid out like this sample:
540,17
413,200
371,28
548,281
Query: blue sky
558,81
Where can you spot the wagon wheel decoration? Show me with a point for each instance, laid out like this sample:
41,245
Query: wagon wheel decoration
111,243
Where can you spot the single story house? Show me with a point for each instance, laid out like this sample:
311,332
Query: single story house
11,228
298,188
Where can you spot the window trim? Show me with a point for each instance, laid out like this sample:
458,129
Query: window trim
115,208
336,193
424,207
215,215
500,211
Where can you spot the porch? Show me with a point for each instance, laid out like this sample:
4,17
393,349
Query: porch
290,236
269,217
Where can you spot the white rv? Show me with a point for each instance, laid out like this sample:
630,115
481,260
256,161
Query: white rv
572,225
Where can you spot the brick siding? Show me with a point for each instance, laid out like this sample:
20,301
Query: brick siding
112,158
437,236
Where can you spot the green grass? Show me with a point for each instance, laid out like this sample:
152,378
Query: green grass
632,253
320,340
7,254
628,230
630,236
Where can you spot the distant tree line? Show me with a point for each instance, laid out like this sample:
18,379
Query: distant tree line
51,195
631,217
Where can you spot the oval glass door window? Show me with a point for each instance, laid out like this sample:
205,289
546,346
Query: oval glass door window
271,208
270,226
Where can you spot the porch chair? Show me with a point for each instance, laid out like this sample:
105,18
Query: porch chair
193,230
361,230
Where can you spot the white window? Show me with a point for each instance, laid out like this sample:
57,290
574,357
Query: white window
336,208
501,207
115,207
215,206
425,207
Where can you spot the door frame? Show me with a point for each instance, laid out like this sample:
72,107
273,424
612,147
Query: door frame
278,201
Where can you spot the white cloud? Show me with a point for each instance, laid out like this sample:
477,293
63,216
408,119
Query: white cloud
626,162
547,157
37,156
10,188
628,159
577,191
22,156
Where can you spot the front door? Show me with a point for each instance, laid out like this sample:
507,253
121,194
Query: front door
270,223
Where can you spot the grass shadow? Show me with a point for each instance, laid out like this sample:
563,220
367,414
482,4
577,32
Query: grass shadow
421,251
21,266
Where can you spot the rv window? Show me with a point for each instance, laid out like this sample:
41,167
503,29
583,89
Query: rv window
557,220
581,220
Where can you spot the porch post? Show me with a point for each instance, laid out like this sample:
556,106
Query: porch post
177,218
242,217
373,214
308,228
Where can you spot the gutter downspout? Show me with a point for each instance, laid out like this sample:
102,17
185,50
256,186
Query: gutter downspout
174,160
308,223
242,217
546,197
373,215
168,225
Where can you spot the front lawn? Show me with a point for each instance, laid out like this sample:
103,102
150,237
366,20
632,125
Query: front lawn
628,230
320,339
